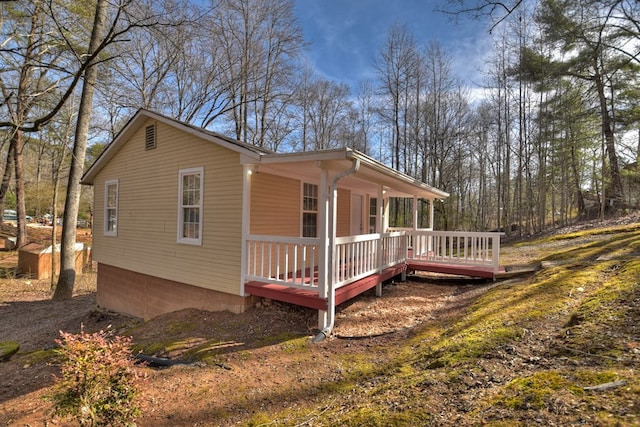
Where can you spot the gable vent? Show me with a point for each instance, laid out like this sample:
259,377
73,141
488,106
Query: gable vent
150,137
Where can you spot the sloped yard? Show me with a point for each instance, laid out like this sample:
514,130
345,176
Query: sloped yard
432,351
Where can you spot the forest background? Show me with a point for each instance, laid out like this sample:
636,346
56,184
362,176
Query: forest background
554,136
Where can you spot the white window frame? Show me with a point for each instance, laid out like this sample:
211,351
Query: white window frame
114,230
373,216
309,211
181,174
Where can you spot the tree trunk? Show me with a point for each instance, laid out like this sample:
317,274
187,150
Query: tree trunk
21,232
6,178
616,191
582,209
66,281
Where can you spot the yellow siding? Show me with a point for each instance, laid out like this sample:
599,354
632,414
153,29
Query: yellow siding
148,211
344,213
275,205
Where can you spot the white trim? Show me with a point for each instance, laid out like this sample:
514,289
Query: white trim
247,171
303,211
107,184
180,226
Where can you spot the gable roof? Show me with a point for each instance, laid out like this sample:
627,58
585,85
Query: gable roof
141,116
301,164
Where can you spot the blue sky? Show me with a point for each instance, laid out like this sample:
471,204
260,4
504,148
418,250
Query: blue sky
345,35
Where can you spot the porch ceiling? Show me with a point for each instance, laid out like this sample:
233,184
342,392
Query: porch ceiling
371,174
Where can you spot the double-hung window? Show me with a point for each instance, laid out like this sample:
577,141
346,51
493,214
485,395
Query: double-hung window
111,208
309,210
373,214
190,206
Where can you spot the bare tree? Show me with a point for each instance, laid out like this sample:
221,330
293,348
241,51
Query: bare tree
328,113
66,281
394,65
259,41
366,108
497,11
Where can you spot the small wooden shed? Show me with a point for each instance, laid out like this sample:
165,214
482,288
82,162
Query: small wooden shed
34,259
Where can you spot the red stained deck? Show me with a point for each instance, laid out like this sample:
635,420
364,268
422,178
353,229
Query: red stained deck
455,269
311,299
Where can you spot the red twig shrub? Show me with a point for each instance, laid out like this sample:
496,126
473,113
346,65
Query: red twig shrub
98,385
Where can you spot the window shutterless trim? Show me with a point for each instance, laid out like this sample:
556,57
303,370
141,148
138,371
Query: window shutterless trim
196,208
108,220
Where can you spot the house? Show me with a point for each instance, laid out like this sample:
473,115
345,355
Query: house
188,218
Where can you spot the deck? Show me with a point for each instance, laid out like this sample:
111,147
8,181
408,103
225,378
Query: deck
310,298
287,269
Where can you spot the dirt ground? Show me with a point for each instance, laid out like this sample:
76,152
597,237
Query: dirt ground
251,350
254,352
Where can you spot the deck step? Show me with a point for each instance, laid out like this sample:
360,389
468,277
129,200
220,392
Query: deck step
456,269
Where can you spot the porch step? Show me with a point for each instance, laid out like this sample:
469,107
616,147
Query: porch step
459,270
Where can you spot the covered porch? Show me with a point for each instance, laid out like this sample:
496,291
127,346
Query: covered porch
358,266
353,248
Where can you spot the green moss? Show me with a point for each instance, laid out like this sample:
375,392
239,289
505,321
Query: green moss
296,345
8,349
39,356
375,417
534,392
208,351
279,338
537,391
179,327
608,308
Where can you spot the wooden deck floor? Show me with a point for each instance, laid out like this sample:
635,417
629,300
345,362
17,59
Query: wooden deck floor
311,299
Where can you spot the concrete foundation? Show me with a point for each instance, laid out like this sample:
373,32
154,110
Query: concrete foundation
145,296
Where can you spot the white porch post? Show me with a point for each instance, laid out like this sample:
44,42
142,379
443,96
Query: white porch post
327,318
415,212
385,214
431,212
323,261
379,229
247,170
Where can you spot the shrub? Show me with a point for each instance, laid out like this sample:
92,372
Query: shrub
98,385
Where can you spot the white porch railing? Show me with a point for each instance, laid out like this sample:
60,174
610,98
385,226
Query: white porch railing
294,262
455,247
289,261
357,257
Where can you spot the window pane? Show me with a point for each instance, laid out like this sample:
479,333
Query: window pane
191,190
310,197
191,223
112,195
111,220
309,224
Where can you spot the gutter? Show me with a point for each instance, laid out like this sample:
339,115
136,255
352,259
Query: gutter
331,297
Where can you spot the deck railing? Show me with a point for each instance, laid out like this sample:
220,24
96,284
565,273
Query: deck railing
289,261
360,256
455,247
294,262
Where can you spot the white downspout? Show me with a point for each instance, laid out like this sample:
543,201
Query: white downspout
329,319
247,170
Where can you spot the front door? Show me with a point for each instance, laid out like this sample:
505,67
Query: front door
356,215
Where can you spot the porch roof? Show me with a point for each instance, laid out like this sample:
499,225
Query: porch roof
370,175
